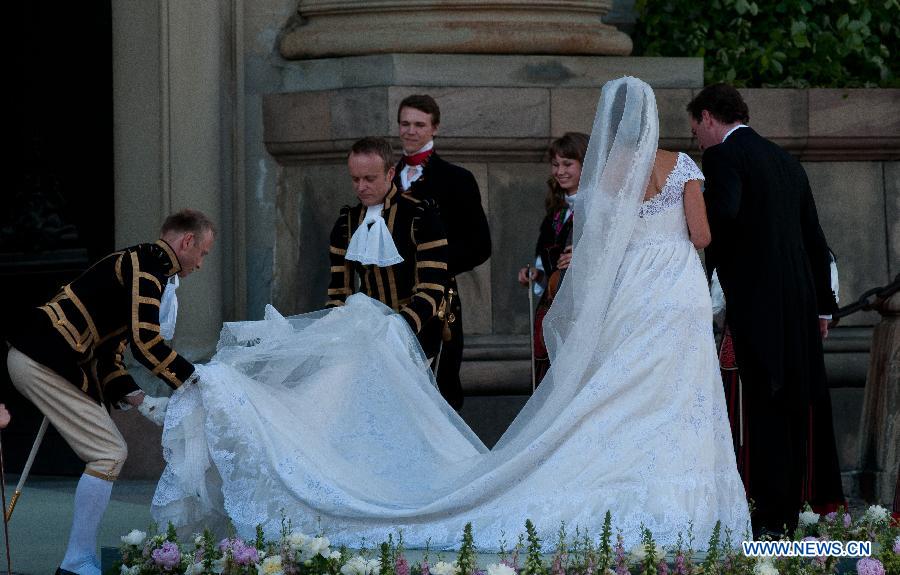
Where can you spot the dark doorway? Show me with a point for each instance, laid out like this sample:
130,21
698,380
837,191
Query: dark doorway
58,204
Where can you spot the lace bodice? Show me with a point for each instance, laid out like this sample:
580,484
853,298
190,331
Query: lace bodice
661,218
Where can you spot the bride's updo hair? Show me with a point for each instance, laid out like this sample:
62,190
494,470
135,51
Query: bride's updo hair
573,146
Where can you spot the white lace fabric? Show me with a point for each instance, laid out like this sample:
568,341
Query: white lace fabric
332,419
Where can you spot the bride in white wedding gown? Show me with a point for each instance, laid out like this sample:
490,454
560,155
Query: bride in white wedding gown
332,419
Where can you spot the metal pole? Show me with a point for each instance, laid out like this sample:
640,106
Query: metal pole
531,326
25,470
5,518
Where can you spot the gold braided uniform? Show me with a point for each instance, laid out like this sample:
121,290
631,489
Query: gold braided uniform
415,287
67,356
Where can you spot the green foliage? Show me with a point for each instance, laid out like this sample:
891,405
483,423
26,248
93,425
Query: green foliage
649,564
789,43
534,563
711,563
386,566
467,560
605,549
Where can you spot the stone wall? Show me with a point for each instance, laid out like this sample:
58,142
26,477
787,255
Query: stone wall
499,114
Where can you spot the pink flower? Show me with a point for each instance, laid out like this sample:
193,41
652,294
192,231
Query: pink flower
680,567
869,566
167,556
401,566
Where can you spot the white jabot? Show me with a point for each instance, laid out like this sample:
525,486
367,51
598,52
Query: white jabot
168,309
372,242
729,132
410,174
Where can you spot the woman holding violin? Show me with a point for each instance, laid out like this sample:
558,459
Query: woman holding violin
554,245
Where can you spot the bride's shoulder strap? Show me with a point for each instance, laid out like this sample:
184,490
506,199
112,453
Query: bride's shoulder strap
687,168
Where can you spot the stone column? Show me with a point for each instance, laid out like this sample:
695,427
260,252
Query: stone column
879,437
322,28
178,144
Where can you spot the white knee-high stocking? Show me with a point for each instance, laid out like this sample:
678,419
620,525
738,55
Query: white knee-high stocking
91,498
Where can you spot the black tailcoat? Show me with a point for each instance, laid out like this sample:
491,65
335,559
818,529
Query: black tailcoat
773,264
83,331
456,192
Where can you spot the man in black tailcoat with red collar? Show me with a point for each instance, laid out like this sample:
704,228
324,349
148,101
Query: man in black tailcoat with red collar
423,173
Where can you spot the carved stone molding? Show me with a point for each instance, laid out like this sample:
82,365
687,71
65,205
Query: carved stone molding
323,28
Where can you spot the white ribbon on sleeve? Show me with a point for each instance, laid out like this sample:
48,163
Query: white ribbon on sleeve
168,309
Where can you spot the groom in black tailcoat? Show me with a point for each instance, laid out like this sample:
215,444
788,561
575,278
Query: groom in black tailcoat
423,173
773,264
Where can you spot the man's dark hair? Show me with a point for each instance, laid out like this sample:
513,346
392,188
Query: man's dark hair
723,102
423,103
377,146
188,220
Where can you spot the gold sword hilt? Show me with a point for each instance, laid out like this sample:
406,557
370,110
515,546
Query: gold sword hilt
12,504
446,315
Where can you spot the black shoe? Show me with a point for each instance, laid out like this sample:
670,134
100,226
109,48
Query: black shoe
61,571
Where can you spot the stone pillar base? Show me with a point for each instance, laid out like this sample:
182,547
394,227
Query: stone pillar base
354,27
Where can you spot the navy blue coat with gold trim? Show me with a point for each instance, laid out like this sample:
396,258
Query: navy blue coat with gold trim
415,287
83,331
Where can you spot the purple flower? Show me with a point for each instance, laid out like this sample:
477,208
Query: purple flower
621,565
680,567
831,517
401,566
167,556
663,567
426,570
846,520
241,553
869,566
897,545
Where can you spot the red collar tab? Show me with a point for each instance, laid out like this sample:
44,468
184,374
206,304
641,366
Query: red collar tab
417,159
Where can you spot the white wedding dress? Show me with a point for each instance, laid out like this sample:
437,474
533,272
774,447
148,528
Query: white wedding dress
332,419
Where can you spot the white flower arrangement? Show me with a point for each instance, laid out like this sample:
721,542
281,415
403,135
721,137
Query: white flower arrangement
877,514
765,567
134,537
444,568
808,518
638,553
361,566
500,569
270,566
317,546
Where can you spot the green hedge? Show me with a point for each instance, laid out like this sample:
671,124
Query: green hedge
793,43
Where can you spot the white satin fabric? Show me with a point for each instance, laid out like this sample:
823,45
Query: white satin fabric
332,419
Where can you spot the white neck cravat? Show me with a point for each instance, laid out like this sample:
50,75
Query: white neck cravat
372,242
168,309
410,174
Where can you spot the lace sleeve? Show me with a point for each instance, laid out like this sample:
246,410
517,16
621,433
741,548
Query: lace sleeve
686,169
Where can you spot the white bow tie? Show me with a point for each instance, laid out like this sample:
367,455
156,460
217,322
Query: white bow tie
372,242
